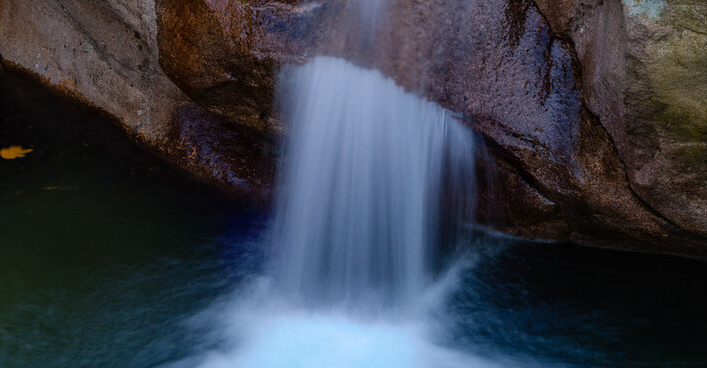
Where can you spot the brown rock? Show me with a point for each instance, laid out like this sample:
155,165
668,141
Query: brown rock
106,54
222,77
644,67
564,94
523,88
225,54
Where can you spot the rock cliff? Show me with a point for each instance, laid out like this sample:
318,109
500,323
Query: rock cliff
593,112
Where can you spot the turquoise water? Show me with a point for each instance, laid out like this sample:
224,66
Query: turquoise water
109,258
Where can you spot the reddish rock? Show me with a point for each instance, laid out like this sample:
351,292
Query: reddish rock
222,77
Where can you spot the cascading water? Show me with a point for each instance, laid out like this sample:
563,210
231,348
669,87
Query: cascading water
372,176
367,165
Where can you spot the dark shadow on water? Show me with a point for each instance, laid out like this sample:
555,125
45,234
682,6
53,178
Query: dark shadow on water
574,306
104,249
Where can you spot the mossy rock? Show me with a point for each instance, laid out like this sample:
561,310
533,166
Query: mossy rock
692,157
677,68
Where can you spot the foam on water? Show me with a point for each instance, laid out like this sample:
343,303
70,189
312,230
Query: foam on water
367,167
337,341
259,329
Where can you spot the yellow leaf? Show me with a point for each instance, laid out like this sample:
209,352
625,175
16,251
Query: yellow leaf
14,152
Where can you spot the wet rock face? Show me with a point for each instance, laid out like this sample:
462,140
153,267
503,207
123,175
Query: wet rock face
96,50
589,109
197,55
238,158
524,88
556,171
644,66
105,53
225,53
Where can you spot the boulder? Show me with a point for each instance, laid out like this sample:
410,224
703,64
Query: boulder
591,113
644,72
105,53
558,173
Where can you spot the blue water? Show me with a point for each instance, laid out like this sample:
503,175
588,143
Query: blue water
109,258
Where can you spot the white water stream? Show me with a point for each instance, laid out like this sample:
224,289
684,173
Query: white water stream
367,167
371,176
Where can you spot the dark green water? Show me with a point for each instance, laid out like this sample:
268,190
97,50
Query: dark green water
106,254
103,250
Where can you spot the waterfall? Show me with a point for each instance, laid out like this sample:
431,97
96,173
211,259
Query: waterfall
372,178
367,167
373,182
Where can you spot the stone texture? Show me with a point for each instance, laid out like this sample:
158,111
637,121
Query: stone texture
523,88
85,48
644,67
197,55
581,104
105,53
225,54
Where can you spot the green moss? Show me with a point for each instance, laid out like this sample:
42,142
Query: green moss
692,156
685,131
687,14
683,124
677,69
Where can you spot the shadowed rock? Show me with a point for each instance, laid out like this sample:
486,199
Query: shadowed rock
593,131
644,72
106,54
